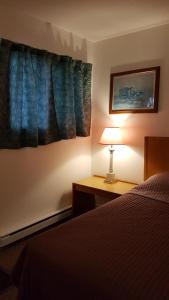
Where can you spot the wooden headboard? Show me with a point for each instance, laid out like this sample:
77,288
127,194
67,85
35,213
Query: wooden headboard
156,155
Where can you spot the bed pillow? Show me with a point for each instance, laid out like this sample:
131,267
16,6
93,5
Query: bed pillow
156,187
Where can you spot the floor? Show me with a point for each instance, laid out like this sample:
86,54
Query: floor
9,294
8,258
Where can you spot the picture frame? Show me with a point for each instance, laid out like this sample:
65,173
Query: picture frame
135,91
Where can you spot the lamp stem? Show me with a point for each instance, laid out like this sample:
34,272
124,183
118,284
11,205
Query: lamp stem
110,176
111,159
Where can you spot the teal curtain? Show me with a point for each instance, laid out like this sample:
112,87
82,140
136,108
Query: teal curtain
44,97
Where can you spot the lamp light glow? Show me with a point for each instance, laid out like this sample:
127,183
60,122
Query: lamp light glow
111,136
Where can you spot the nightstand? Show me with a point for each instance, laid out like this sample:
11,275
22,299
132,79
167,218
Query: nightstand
86,190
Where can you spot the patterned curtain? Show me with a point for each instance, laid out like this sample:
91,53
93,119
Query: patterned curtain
44,97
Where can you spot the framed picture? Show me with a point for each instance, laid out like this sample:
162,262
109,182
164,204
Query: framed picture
135,91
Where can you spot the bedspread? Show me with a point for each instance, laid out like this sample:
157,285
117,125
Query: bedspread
119,251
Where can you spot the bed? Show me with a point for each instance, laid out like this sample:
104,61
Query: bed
117,251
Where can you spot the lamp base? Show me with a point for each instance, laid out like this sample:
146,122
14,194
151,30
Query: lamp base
110,178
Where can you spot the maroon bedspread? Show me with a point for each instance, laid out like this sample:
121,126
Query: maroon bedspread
118,251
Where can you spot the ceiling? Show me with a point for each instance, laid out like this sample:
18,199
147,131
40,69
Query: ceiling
96,20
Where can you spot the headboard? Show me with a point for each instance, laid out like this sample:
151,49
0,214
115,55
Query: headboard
156,155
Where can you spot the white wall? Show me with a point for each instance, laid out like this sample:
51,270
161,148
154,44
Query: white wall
133,51
35,183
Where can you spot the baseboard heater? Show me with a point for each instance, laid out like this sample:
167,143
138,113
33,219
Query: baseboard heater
28,230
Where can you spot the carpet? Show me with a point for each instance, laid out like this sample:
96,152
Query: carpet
5,280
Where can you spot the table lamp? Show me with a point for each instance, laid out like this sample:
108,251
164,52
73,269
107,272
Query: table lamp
111,136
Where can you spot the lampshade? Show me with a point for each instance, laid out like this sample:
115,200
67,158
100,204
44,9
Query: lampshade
111,136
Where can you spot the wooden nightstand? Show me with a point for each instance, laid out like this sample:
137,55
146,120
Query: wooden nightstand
84,192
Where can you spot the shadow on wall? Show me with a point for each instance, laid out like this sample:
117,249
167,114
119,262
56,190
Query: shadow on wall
27,168
39,34
65,199
36,182
65,43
